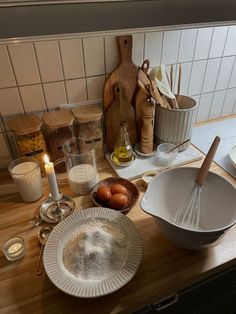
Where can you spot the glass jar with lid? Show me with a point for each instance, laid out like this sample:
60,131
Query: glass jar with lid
28,135
88,125
58,128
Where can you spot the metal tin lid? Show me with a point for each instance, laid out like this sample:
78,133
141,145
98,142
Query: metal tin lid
25,124
87,113
58,119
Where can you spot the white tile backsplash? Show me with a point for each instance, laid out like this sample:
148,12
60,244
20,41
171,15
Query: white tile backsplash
76,90
138,49
33,98
216,106
203,43
197,77
232,82
41,74
49,61
24,63
95,87
6,74
212,70
94,56
111,53
170,47
187,45
55,94
153,47
218,41
224,73
10,102
230,46
204,107
72,58
230,99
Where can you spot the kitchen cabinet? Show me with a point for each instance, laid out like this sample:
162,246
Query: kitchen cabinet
216,294
66,17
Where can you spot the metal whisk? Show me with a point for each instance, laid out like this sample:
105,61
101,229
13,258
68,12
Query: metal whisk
188,213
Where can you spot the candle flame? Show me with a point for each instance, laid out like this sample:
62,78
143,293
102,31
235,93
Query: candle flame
46,159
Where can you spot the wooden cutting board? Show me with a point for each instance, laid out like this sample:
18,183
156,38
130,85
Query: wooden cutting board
140,98
118,111
126,72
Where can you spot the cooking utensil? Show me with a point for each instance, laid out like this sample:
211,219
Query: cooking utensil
179,145
149,87
119,110
179,80
158,75
126,72
42,236
188,213
141,97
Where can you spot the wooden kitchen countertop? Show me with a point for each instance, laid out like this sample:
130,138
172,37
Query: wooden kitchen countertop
165,267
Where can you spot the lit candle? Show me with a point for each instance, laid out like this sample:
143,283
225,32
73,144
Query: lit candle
14,249
52,180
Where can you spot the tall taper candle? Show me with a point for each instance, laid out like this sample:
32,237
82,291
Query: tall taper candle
52,180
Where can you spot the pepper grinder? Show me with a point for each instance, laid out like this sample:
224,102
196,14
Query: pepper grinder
146,143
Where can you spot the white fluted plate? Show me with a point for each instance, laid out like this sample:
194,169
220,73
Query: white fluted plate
75,286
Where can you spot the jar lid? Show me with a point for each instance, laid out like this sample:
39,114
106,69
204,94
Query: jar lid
25,124
87,113
58,119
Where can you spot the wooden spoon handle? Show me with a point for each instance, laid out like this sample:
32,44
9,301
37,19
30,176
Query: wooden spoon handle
203,171
145,66
125,44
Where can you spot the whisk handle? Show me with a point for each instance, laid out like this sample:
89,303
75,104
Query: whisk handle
203,171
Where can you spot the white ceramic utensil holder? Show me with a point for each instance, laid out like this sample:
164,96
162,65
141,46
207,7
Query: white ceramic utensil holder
175,125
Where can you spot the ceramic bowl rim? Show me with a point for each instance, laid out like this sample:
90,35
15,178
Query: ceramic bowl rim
233,159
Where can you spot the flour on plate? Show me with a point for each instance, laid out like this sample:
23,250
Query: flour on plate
96,251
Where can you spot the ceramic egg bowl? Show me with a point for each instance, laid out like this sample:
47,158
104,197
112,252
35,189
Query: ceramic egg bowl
132,193
168,189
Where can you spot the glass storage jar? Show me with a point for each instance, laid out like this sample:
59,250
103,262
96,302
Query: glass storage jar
58,128
88,126
28,136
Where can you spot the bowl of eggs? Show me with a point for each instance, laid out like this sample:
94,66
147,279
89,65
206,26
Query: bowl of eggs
116,193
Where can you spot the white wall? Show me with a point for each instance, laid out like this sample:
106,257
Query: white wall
42,73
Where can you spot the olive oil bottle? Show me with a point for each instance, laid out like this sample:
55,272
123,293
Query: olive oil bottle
123,152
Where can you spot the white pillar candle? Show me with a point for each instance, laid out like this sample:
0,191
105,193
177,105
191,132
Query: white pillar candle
52,180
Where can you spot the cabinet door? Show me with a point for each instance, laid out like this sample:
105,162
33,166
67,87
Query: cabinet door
214,295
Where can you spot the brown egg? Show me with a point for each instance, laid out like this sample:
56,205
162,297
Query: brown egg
118,201
104,193
118,188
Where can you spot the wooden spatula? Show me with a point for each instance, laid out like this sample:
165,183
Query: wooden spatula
126,72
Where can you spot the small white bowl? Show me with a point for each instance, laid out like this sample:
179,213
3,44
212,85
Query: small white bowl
164,153
167,190
232,155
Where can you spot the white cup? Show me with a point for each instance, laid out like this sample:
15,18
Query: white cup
25,172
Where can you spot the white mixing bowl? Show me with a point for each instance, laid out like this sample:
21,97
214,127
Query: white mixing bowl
168,189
